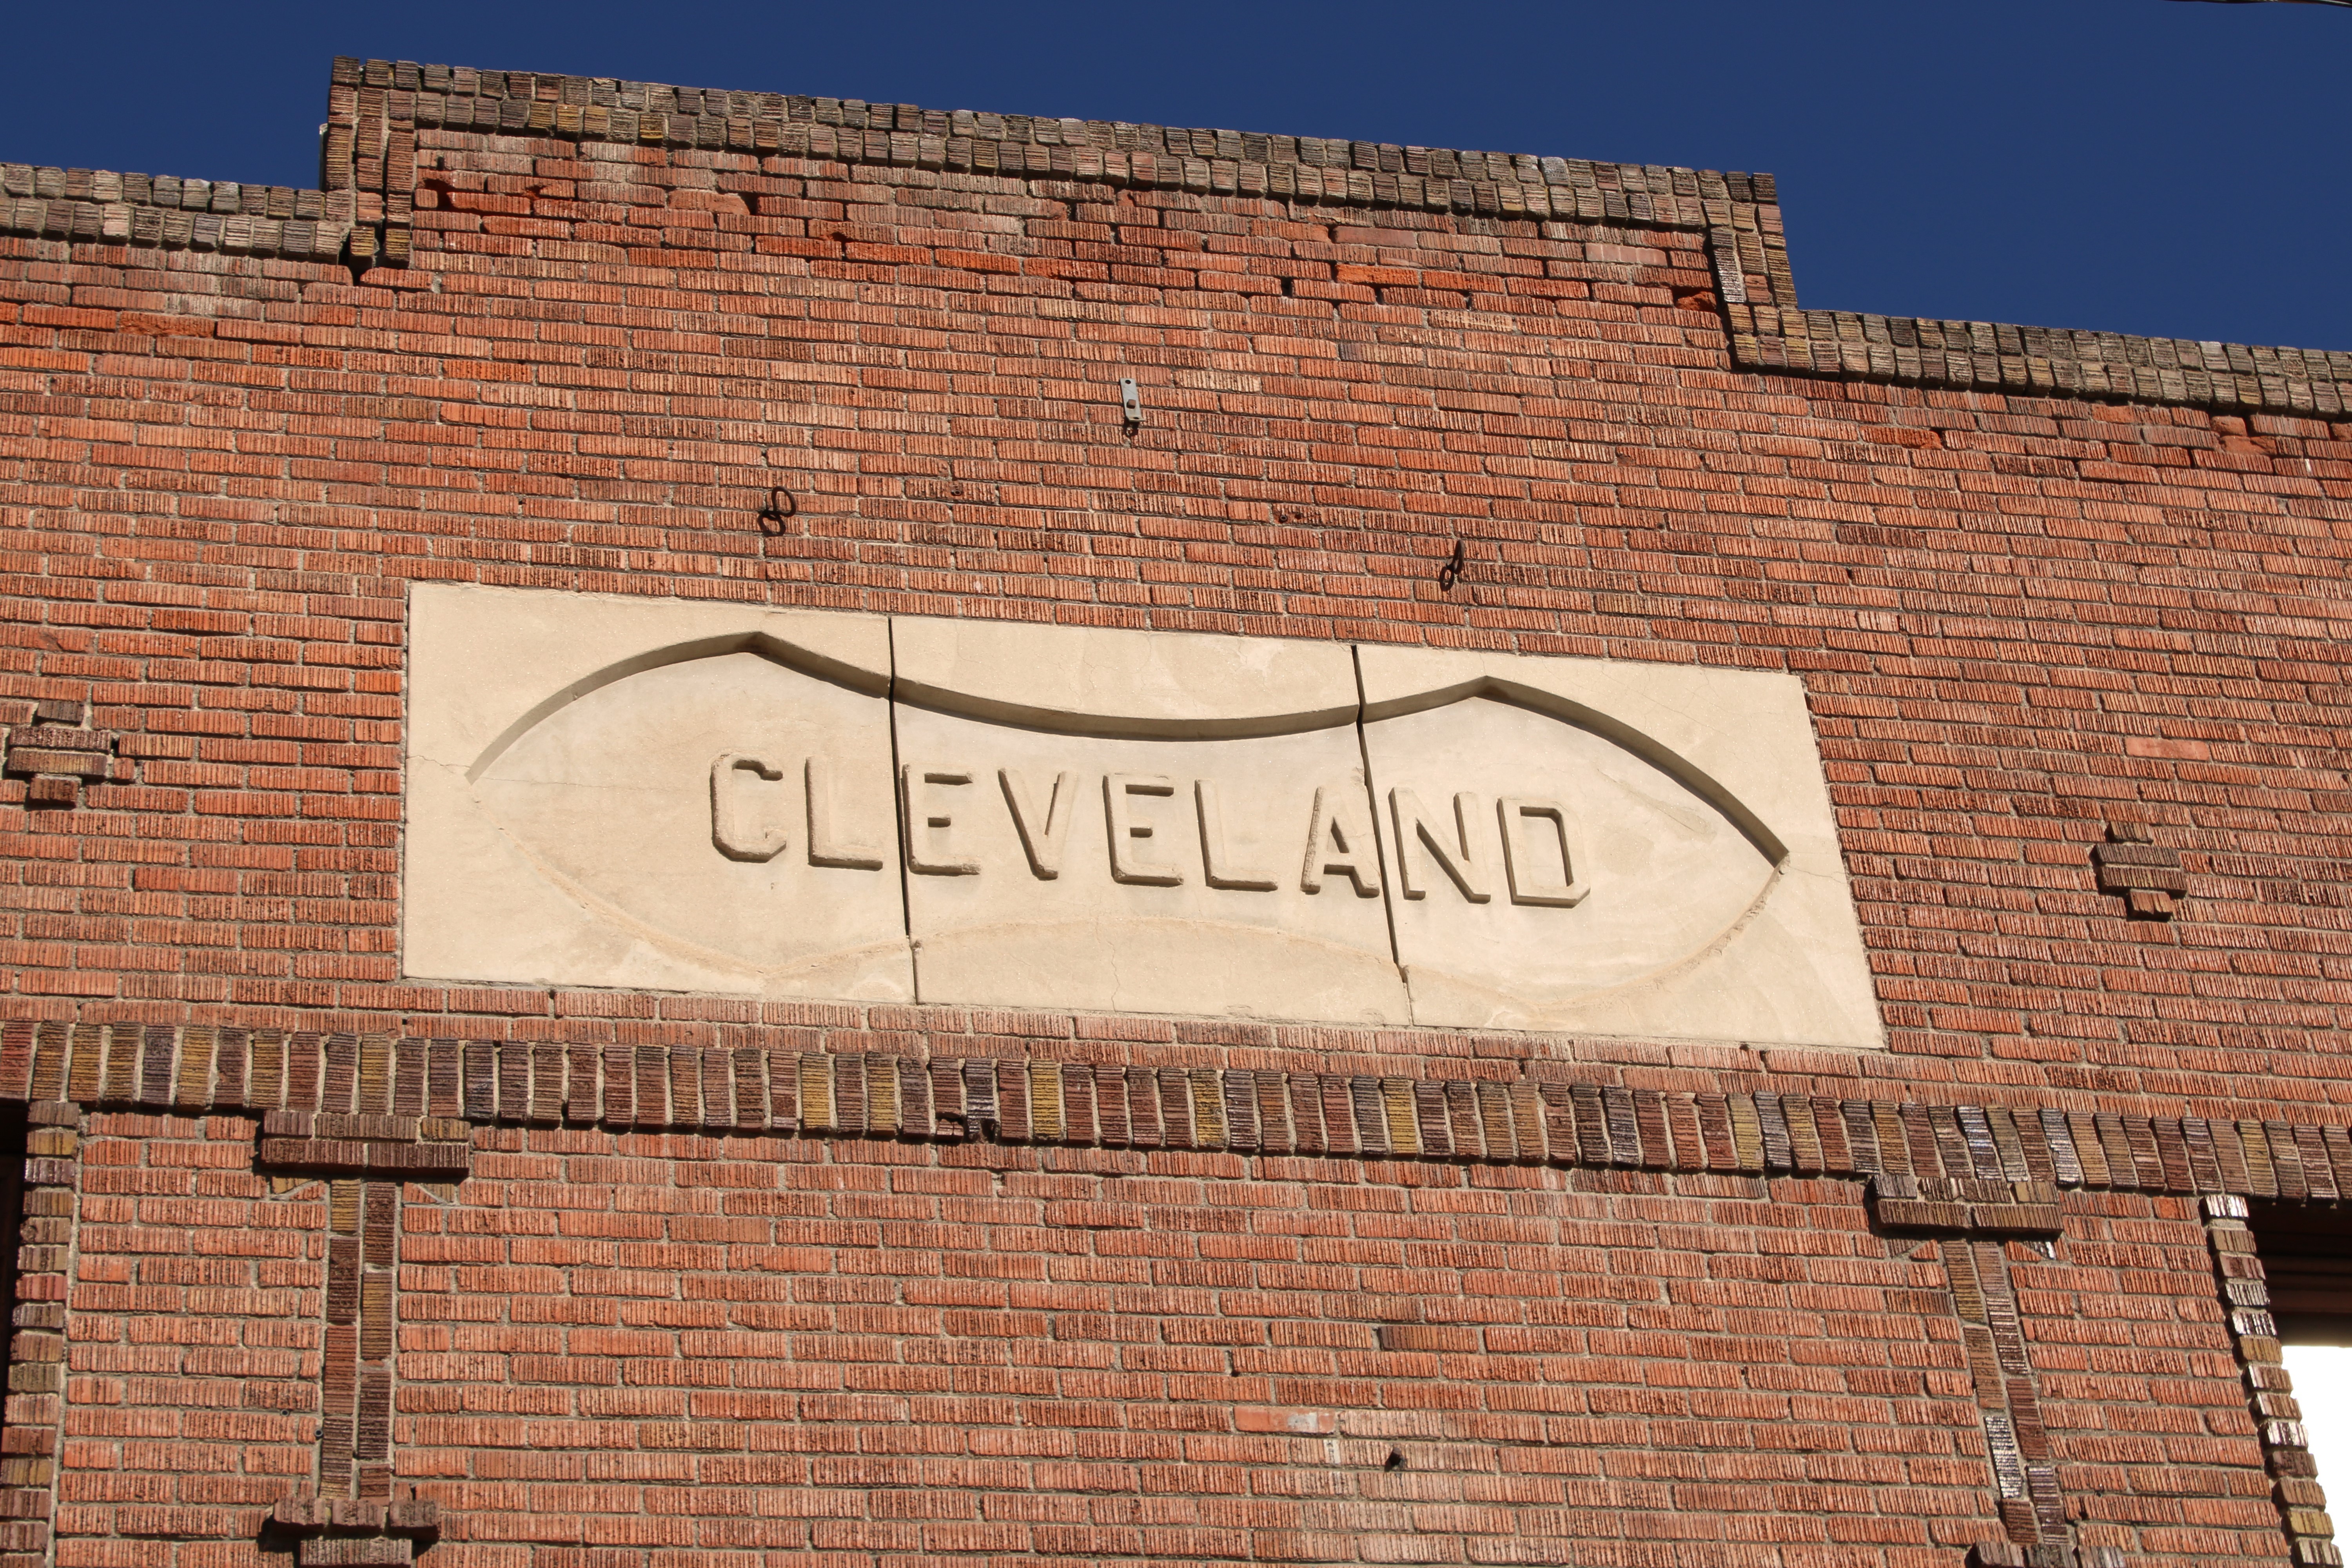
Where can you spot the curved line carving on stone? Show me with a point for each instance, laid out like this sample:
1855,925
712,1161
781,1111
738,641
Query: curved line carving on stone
1681,769
564,743
1114,726
776,649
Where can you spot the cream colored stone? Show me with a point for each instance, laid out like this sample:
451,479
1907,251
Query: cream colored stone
1134,832
643,793
486,663
613,791
1116,874
1103,681
1715,903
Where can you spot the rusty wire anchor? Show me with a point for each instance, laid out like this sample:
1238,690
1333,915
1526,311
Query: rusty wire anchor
772,515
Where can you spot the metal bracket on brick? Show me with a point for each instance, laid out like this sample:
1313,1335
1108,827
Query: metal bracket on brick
48,741
2148,876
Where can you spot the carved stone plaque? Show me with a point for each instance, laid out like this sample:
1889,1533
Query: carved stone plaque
609,792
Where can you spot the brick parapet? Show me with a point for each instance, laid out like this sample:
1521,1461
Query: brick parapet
2044,361
164,211
714,1262
365,213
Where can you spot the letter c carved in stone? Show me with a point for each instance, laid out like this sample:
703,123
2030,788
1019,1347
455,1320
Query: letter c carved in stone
735,826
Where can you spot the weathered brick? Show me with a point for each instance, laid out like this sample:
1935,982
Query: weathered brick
679,1278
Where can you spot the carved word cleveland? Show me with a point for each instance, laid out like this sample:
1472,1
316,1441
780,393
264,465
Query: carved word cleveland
1148,825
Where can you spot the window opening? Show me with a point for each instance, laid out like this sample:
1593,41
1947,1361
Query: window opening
2306,1253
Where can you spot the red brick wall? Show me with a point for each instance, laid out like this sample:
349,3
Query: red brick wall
668,1349
192,1365
2019,618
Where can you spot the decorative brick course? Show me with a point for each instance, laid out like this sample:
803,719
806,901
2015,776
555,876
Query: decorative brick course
2147,874
1966,1205
47,742
2044,361
1972,1168
353,1514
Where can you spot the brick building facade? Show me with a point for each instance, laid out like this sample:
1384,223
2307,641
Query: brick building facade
322,1262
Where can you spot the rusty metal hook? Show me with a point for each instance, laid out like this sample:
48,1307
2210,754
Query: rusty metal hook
779,506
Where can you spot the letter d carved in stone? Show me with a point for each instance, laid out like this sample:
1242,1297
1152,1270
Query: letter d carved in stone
1529,868
732,817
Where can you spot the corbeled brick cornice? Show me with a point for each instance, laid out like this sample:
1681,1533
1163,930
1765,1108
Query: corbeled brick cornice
362,215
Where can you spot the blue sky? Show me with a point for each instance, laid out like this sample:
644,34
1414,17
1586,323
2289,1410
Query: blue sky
2131,166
